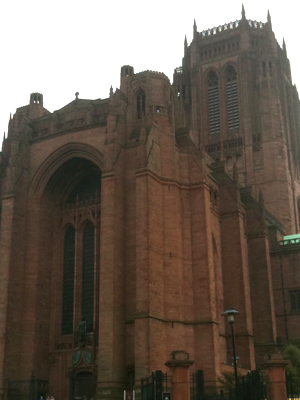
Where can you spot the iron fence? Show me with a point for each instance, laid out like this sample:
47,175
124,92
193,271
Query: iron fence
250,387
32,389
153,387
197,385
292,386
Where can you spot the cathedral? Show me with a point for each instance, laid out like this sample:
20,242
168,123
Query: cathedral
129,224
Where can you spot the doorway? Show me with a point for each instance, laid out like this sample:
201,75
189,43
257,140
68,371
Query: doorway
83,386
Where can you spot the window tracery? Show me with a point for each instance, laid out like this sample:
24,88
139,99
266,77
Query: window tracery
81,216
88,275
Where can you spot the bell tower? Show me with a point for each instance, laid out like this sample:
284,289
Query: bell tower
235,92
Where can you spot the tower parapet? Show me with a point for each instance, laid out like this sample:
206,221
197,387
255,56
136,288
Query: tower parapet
229,27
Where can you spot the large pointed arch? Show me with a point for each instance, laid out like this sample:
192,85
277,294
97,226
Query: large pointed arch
52,163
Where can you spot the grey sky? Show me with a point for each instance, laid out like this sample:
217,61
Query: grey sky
60,47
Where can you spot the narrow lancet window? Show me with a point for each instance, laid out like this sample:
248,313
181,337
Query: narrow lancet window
141,103
88,275
68,281
232,99
213,103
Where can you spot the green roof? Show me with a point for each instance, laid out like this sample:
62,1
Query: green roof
291,239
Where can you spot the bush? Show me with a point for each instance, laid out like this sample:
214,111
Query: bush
292,353
226,381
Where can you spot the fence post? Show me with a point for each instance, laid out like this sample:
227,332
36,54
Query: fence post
71,387
159,384
179,365
275,373
32,387
199,384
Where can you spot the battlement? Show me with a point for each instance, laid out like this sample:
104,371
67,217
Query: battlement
225,40
151,72
229,27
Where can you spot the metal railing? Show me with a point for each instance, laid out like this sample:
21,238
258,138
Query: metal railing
292,386
154,385
250,387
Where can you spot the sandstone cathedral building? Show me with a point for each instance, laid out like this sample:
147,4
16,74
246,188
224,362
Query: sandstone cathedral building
143,216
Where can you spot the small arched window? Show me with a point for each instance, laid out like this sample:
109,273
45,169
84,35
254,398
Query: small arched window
238,161
232,99
68,281
213,103
229,163
88,257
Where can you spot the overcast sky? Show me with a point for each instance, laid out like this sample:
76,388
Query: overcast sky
60,47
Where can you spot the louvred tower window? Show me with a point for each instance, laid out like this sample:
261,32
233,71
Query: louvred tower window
232,99
213,103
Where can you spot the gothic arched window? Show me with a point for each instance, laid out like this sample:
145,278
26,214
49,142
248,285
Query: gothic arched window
232,99
68,281
88,257
213,103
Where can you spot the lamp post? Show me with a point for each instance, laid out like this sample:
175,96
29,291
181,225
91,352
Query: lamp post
230,313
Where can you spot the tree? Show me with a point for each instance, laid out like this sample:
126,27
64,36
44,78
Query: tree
292,353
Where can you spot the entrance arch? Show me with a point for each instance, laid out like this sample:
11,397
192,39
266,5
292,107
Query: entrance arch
82,386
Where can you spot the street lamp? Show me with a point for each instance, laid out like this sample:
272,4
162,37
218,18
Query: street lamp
230,313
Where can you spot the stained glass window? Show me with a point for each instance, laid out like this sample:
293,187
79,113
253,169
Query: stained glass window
88,275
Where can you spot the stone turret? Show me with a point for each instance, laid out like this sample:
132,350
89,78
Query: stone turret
127,73
36,108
